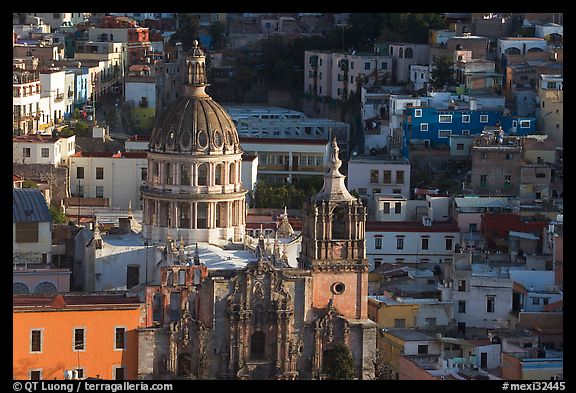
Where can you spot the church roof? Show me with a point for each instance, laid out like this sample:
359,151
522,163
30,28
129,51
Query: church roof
195,124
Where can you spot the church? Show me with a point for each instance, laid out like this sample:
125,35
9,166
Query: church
267,320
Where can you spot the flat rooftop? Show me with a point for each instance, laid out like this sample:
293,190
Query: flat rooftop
409,335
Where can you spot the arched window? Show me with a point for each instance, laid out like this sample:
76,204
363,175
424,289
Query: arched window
202,219
168,173
231,174
339,228
157,307
184,215
220,214
45,288
185,175
401,53
202,175
182,277
174,312
19,288
409,53
218,178
257,346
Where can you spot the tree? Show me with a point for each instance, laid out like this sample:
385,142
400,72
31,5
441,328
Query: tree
339,363
57,216
186,32
443,73
29,184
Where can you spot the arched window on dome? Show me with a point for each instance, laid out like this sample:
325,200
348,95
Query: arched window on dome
231,173
185,174
202,219
184,215
219,174
202,175
221,213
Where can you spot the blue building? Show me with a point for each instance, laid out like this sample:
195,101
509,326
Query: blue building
433,126
81,78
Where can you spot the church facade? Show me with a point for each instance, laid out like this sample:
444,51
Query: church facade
267,320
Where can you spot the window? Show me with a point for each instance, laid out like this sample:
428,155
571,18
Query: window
36,340
424,243
483,118
465,132
120,338
545,300
397,208
99,173
445,118
376,191
423,349
378,243
35,375
524,123
351,65
45,152
430,322
399,177
490,303
373,176
465,118
351,78
119,373
461,306
483,180
377,263
143,173
461,285
417,112
387,177
26,232
396,191
384,66
444,133
448,244
366,66
400,323
257,345
99,192
508,156
424,127
80,172
535,300
459,146
362,191
79,339
26,152
80,372
132,276
386,207
399,243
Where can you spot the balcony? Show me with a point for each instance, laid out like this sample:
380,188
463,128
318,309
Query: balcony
59,97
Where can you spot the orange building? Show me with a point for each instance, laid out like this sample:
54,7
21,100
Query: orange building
94,334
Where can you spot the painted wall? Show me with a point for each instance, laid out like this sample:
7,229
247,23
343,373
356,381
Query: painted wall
57,354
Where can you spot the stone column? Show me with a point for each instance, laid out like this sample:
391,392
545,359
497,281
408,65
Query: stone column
176,174
176,217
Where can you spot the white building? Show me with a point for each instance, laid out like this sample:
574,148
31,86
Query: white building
42,149
420,75
410,242
31,227
372,175
55,20
539,289
520,45
26,101
53,84
282,160
117,176
405,54
336,74
481,294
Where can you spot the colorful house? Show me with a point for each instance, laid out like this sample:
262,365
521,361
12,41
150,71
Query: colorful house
93,334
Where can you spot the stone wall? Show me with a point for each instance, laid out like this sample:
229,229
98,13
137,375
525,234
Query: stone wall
57,178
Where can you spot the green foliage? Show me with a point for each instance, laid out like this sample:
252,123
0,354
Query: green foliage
29,184
291,195
76,115
81,129
443,73
66,132
57,216
339,363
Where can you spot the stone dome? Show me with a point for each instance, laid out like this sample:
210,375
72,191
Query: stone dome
194,123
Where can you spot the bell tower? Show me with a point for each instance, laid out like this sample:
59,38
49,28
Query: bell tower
334,247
